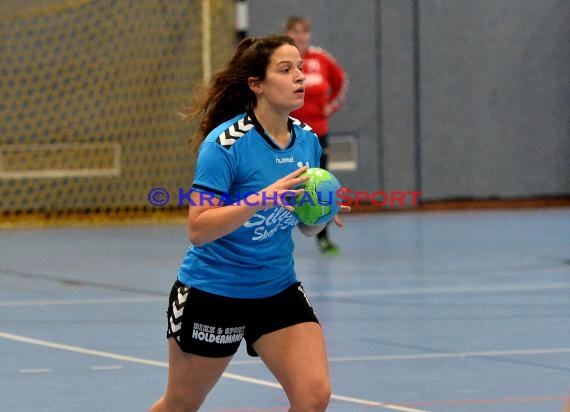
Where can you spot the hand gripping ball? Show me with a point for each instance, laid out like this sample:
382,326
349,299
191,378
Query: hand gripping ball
320,202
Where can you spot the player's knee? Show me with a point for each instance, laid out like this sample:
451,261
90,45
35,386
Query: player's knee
315,399
181,404
321,399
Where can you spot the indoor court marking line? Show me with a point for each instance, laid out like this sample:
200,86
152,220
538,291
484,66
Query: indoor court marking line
106,368
483,354
39,370
444,290
435,355
496,401
103,301
149,362
342,294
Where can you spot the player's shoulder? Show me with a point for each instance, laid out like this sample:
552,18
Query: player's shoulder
229,132
302,128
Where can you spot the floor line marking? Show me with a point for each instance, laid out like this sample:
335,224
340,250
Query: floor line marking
435,290
495,401
149,362
331,294
488,354
106,368
56,302
42,370
437,355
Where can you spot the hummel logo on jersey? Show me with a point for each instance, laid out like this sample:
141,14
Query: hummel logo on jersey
284,160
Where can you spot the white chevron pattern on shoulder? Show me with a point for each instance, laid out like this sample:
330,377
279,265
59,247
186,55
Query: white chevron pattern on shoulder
302,125
229,136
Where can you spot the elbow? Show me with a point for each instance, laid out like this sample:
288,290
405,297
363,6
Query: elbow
196,237
195,240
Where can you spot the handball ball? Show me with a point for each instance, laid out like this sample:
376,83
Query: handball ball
319,203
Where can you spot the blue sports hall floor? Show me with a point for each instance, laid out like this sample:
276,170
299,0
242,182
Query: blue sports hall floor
422,311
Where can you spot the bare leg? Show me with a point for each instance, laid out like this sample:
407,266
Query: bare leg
297,357
190,379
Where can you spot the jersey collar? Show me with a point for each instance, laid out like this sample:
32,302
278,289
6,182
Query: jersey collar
266,137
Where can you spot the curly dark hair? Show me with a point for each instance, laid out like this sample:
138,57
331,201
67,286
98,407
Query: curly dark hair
228,93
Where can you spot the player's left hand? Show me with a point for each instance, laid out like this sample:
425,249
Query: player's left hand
336,219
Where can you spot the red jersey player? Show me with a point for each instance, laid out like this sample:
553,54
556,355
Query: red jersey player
325,89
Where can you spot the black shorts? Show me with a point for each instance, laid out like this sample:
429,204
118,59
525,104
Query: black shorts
211,325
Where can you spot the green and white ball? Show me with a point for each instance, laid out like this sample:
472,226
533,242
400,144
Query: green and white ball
320,202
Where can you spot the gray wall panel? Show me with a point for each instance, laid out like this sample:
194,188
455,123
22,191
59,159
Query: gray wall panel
494,91
397,96
495,98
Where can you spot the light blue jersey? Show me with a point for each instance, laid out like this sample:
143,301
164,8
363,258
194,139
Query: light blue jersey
236,159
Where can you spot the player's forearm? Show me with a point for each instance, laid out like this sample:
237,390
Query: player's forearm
208,224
